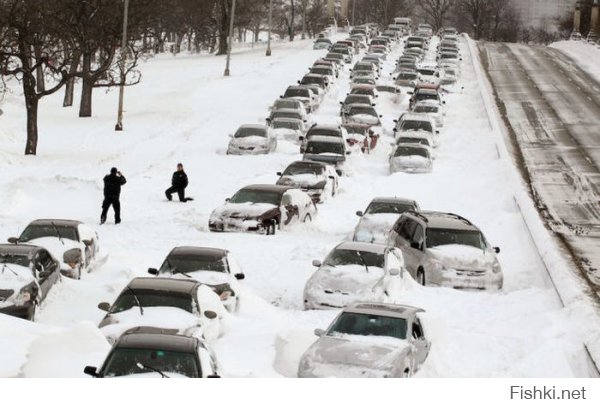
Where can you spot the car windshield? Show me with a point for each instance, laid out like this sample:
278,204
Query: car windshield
312,80
364,80
426,96
40,231
335,55
353,257
369,325
152,298
362,110
363,67
256,196
323,132
416,125
388,208
417,140
321,71
287,104
426,109
282,123
304,93
22,260
200,262
303,168
363,91
323,40
407,76
439,236
124,361
248,131
286,114
425,71
410,151
324,147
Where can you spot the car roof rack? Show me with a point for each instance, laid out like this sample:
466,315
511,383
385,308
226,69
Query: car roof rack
459,217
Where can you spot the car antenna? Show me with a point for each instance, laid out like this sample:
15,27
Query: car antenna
58,233
156,370
137,300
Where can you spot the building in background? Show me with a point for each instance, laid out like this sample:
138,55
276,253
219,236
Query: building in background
543,13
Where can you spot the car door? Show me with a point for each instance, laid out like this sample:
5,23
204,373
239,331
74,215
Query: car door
418,240
403,233
420,343
47,270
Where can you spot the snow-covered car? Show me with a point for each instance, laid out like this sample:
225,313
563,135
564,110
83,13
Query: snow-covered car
366,66
432,109
575,36
263,208
328,64
318,180
422,93
352,99
322,81
393,92
379,50
329,130
380,216
451,74
329,150
73,243
355,271
336,57
193,309
443,249
369,90
418,123
411,158
322,44
407,78
289,103
421,138
288,129
304,95
286,114
214,267
27,273
429,73
149,352
325,71
366,80
368,340
361,113
252,139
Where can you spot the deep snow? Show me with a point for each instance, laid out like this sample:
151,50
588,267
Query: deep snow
183,111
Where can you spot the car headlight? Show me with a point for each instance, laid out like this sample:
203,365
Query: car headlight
22,297
305,364
496,268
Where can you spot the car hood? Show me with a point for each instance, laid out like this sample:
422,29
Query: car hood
56,247
349,279
374,352
325,157
412,161
242,210
12,278
248,141
115,324
364,118
375,227
463,257
301,180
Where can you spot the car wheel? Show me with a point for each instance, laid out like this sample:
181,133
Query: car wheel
406,373
307,218
421,277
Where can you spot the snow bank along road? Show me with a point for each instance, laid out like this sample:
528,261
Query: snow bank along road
553,108
182,112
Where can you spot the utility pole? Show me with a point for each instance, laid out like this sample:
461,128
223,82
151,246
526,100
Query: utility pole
230,38
353,12
270,22
119,125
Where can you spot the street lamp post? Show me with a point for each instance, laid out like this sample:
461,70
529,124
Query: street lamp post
270,22
230,38
119,125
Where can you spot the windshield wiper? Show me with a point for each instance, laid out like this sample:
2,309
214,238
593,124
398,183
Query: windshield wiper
174,270
147,367
5,266
363,260
137,300
58,233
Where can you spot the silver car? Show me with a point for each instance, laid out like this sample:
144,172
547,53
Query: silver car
411,158
252,139
379,218
368,340
444,249
355,271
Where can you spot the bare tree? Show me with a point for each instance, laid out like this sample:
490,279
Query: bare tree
436,11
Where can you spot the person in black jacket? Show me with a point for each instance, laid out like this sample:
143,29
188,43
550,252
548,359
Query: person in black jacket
179,182
112,192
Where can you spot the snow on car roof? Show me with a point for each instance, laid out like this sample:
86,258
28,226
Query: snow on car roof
384,309
394,200
362,246
57,222
416,116
267,187
254,126
193,250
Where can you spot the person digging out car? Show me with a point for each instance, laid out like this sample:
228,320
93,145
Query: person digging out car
179,182
112,193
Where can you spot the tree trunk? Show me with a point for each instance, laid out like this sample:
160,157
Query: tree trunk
39,72
85,105
223,28
70,84
31,105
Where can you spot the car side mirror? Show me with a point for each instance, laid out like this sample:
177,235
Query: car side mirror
13,240
395,272
298,82
372,104
301,138
279,173
444,102
104,306
348,152
268,120
359,213
497,250
153,271
239,276
316,263
90,370
437,132
72,256
381,116
415,245
209,314
87,242
227,200
331,177
395,130
319,332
